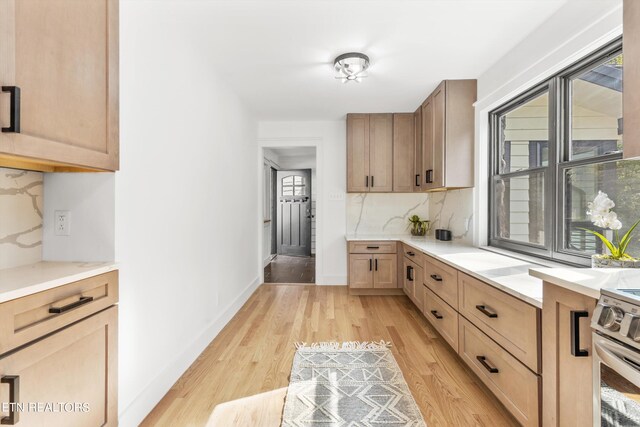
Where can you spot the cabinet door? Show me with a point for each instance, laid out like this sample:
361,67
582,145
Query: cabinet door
63,55
427,144
381,152
385,271
418,293
439,134
75,365
358,153
567,394
417,153
403,153
408,283
631,79
360,271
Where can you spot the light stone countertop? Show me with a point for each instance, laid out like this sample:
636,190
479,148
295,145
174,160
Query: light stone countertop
506,273
589,281
32,278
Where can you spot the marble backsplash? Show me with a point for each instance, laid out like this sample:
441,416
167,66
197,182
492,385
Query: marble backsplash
384,213
20,217
453,210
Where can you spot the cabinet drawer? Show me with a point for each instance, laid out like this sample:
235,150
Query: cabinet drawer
443,318
512,323
442,280
384,247
77,365
413,254
512,383
25,319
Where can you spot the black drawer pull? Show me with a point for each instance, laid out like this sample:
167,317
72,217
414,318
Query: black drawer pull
429,176
370,264
376,264
14,109
81,301
487,312
436,277
436,315
411,253
576,351
373,247
366,181
417,180
372,181
410,273
14,398
483,361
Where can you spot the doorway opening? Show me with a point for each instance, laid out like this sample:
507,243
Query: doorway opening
289,236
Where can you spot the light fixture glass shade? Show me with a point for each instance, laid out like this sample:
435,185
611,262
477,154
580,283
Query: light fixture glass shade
351,66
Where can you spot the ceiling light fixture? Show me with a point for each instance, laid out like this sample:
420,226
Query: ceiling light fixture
351,66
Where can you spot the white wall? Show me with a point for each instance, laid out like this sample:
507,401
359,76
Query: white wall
329,138
186,199
577,29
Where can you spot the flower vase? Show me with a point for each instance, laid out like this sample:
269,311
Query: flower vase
418,229
603,261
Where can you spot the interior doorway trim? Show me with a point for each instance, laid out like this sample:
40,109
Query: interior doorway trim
290,142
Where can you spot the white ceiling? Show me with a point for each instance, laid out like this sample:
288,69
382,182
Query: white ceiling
278,55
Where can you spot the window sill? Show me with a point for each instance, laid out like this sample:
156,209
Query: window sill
529,258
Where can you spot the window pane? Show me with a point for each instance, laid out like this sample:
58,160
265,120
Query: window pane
287,180
299,180
621,181
520,208
287,191
596,110
524,136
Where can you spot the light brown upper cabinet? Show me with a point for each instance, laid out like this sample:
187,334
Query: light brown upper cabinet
369,153
403,152
448,135
59,76
417,147
631,78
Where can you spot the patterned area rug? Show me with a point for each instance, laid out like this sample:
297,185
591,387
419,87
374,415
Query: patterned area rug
349,384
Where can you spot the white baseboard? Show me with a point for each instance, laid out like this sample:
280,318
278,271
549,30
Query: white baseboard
332,280
155,391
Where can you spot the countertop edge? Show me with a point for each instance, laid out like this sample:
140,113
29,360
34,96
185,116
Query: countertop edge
45,285
567,284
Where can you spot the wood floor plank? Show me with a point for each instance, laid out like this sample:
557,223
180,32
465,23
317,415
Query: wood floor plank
241,377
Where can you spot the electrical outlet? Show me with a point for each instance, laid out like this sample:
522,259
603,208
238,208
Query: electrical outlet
62,223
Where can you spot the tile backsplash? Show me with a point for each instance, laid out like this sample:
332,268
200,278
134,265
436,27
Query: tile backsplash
384,213
20,217
453,210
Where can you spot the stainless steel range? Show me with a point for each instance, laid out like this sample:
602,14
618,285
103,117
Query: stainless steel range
616,354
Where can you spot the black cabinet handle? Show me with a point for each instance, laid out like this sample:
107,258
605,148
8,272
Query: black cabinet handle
429,176
575,333
483,362
436,314
81,301
366,181
373,247
370,264
376,264
410,273
372,185
436,277
14,398
411,253
486,311
14,109
417,180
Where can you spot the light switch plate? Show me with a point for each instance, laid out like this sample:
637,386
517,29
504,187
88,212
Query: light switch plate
62,223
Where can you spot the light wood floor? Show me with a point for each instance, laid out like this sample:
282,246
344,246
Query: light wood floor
241,378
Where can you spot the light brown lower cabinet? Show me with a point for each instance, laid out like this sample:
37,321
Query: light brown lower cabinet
510,381
74,366
567,363
413,282
377,271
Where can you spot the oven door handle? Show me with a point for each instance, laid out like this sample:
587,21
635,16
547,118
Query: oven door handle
618,362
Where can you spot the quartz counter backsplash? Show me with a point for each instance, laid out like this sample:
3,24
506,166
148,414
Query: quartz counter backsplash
384,213
20,217
453,210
